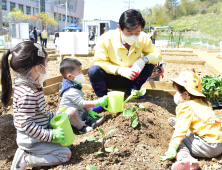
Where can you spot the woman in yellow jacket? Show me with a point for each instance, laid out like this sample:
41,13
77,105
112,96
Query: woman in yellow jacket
197,131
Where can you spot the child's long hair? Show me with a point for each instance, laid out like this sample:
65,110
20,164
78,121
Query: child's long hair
24,57
181,89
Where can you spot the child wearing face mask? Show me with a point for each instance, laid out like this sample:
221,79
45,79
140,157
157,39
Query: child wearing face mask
198,133
38,143
72,97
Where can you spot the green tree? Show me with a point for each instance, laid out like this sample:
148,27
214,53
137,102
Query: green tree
16,16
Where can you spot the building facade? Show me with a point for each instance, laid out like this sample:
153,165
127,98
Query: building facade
56,8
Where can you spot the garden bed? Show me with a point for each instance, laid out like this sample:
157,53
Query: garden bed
172,70
184,58
138,148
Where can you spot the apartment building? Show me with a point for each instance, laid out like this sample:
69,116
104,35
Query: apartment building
56,8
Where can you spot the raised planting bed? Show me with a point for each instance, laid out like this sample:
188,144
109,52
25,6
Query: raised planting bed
184,58
172,70
179,54
138,148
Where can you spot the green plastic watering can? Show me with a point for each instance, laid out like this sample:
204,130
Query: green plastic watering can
116,101
62,120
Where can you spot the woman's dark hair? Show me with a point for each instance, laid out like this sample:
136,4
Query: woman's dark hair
131,19
24,57
68,65
182,89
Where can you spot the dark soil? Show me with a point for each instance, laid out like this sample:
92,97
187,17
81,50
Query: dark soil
138,148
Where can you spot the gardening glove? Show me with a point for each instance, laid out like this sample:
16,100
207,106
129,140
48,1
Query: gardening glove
93,114
127,73
138,65
58,136
170,154
103,101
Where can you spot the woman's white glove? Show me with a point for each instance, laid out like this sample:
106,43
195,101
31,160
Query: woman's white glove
127,72
138,65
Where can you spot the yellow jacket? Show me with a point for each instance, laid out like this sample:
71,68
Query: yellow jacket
44,34
110,52
198,117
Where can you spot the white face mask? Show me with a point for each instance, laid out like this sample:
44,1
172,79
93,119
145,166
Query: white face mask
79,79
129,39
43,77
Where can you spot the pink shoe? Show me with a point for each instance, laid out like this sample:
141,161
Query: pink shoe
185,165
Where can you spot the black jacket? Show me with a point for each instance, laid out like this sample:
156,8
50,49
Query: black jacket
91,36
35,34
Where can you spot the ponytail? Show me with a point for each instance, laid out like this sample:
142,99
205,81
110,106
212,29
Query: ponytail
6,81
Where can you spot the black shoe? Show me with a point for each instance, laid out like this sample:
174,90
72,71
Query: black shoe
96,122
85,129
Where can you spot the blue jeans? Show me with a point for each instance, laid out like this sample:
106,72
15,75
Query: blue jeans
97,74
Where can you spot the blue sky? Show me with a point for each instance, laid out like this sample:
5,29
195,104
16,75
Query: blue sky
112,9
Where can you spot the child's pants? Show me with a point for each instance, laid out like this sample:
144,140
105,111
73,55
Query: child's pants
197,147
42,153
81,116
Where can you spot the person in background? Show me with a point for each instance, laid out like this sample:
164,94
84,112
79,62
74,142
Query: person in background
56,35
32,37
91,38
67,30
153,37
44,35
35,33
40,37
198,133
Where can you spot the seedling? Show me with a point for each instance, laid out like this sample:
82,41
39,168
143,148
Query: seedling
135,94
211,85
133,112
102,140
91,167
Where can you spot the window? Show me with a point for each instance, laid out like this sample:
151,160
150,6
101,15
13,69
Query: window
71,19
4,6
59,17
12,6
42,5
28,10
21,7
75,20
67,18
55,16
63,17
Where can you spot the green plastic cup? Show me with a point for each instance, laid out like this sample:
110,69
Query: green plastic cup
115,101
62,120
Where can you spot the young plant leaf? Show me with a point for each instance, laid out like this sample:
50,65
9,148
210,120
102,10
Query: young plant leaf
143,91
134,122
102,132
109,149
134,108
62,110
134,115
91,167
128,113
111,131
99,153
142,107
89,139
100,140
